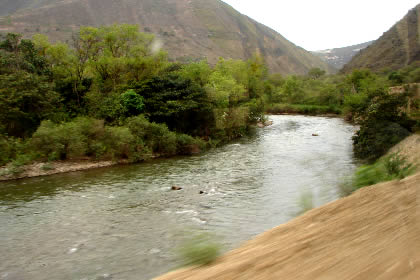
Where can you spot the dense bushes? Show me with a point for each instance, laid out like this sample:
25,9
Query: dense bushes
9,148
374,139
90,138
86,137
383,124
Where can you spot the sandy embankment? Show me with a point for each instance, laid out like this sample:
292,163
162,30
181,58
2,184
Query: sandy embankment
39,169
372,234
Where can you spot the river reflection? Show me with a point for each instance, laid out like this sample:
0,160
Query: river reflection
124,222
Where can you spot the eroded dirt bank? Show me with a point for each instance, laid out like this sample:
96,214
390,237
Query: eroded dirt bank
56,167
372,234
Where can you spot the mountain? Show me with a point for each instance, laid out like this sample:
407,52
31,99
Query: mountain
338,57
190,29
396,48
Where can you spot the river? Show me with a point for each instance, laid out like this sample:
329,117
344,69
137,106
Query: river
124,222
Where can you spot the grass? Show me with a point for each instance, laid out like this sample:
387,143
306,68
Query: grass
306,202
280,108
200,249
388,168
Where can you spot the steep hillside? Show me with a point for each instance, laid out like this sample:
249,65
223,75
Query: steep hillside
8,7
396,48
190,29
338,57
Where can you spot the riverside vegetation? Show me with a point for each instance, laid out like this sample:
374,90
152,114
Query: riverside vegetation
113,94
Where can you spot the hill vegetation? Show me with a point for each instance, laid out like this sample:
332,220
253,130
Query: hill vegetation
189,30
397,48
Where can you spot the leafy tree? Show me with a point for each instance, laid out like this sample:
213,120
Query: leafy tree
26,90
197,72
292,90
25,100
176,101
316,73
224,91
132,103
257,74
396,78
21,55
69,71
384,124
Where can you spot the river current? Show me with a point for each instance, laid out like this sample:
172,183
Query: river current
125,223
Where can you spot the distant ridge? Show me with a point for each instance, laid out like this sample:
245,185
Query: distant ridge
190,29
396,48
338,57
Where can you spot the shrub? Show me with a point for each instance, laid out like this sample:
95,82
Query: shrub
387,168
374,139
397,166
67,140
199,250
256,110
120,143
16,166
187,145
9,147
156,137
47,141
138,126
160,139
132,103
383,124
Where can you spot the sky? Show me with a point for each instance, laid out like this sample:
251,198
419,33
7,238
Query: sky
325,24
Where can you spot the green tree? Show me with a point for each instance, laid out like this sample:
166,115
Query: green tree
292,90
384,124
316,73
25,100
224,91
132,103
176,101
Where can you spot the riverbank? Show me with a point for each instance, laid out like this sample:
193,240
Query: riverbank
38,169
50,168
373,233
370,234
302,109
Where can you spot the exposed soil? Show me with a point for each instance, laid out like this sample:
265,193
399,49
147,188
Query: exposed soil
409,148
372,234
44,169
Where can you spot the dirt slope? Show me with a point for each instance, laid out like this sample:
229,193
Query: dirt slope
409,148
372,234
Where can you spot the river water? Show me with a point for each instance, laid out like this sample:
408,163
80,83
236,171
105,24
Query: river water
124,222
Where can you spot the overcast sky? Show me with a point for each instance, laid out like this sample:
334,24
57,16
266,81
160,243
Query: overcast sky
325,24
